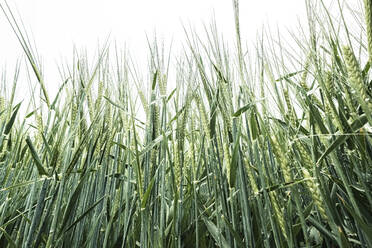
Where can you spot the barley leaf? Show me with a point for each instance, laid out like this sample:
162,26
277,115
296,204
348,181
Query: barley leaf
38,163
240,111
215,232
10,123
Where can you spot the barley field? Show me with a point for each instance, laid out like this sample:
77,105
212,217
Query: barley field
267,147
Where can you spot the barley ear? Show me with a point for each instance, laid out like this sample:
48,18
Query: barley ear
315,193
278,213
356,82
368,19
2,107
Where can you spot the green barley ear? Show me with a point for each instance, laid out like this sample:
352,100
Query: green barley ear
334,118
281,159
303,80
306,158
278,213
356,82
99,96
226,98
192,143
329,84
163,85
83,126
368,18
108,113
144,101
157,120
203,116
315,193
2,103
2,118
227,95
350,102
2,107
251,177
40,128
73,112
291,113
183,121
305,74
330,91
156,132
90,105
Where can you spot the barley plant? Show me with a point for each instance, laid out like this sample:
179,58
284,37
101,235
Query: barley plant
235,147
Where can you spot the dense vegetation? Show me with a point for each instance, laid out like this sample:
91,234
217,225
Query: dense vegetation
265,149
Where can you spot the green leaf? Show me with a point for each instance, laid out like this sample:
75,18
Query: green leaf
367,229
297,227
289,75
46,144
254,126
10,123
282,185
39,165
216,233
213,115
177,115
336,55
343,240
171,94
85,213
148,191
242,110
236,235
9,238
155,142
318,118
321,228
31,114
21,184
71,204
357,124
366,69
121,146
154,79
58,94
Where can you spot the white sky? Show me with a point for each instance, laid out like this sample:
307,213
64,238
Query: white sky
57,25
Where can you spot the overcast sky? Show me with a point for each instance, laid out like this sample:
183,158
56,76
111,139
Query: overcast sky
56,26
